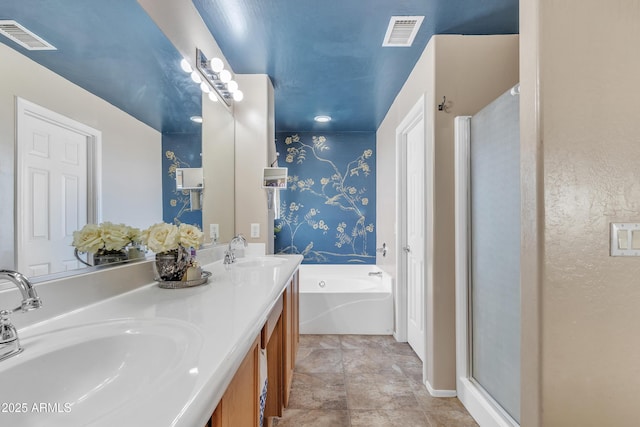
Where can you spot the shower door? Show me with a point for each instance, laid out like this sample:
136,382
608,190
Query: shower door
492,290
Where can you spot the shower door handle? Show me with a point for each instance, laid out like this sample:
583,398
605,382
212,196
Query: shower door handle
407,249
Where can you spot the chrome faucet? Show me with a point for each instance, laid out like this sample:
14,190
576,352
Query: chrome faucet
230,254
9,342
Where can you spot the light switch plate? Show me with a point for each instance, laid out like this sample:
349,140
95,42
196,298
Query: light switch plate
255,230
625,239
214,232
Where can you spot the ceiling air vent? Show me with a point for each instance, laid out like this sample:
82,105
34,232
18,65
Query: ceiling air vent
402,30
23,37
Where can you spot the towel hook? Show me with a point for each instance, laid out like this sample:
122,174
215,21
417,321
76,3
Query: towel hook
443,106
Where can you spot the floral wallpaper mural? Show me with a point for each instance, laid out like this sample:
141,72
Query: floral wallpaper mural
327,212
179,151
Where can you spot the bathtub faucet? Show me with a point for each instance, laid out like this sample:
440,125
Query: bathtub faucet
375,273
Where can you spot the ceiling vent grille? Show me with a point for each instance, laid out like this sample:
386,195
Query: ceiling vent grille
402,30
23,37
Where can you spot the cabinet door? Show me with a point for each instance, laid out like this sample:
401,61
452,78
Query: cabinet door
292,333
239,406
272,338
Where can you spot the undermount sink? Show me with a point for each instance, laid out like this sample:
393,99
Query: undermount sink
263,261
80,375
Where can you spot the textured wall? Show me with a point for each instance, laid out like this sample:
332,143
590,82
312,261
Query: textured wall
456,67
328,212
587,136
179,150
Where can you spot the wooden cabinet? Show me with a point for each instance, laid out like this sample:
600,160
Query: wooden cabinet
272,337
280,336
292,333
239,405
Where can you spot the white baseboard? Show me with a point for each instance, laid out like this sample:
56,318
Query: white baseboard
440,393
480,409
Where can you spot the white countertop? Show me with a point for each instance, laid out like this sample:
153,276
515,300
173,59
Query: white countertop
222,319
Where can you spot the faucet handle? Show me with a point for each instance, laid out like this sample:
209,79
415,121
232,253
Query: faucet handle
9,342
29,304
7,330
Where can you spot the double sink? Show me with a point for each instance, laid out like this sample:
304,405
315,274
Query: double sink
97,371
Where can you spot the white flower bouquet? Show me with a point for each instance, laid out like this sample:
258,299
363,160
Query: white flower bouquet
171,243
163,237
105,237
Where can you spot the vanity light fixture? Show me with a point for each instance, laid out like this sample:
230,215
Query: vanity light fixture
211,76
322,119
218,78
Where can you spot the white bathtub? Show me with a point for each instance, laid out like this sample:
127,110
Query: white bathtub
345,299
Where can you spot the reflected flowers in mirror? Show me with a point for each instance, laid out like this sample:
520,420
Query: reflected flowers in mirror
107,242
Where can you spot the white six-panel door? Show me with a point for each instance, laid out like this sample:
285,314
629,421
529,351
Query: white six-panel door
415,221
52,186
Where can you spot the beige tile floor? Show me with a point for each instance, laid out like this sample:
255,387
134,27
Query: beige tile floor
363,380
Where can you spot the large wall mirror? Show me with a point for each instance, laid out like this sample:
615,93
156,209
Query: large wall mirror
129,170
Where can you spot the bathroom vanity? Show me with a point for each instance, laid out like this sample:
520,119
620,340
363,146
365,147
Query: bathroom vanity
151,356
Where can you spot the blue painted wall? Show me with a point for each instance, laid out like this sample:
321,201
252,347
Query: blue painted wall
179,150
328,211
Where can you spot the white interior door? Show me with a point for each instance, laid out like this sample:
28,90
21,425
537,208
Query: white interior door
415,236
53,183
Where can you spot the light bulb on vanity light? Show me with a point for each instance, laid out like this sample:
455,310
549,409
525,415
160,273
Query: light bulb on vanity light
238,95
225,76
205,87
186,67
196,77
216,65
232,86
213,97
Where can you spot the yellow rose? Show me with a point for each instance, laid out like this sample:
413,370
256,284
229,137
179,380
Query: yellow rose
133,234
161,237
114,236
190,236
88,239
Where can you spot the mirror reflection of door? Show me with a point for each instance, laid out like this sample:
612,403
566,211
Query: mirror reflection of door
54,188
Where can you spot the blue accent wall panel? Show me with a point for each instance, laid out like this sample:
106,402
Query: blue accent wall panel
179,150
328,211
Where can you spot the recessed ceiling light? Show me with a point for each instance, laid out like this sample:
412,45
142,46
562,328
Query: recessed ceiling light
322,119
196,119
